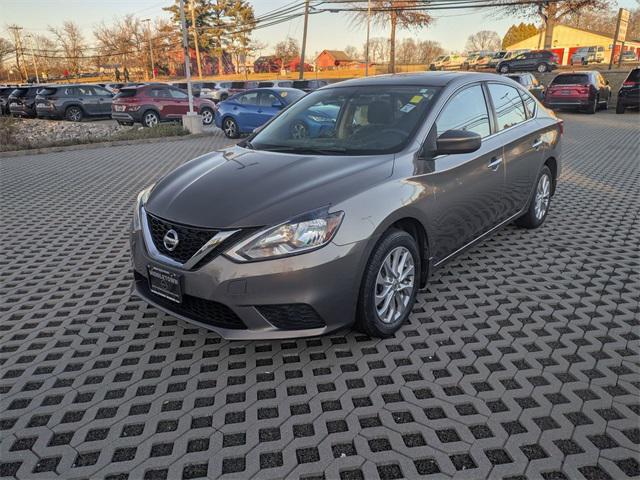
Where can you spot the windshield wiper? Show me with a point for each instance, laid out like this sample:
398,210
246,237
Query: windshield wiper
303,150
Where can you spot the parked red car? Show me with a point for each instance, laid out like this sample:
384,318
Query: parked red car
152,104
585,90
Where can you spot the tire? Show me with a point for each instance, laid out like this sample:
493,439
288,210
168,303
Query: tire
542,68
620,107
605,105
207,116
150,119
593,108
371,317
230,128
73,114
539,202
503,68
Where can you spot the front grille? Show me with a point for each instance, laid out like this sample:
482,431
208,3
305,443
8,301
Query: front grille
190,239
294,316
204,311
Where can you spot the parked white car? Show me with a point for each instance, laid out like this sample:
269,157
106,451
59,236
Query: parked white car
448,62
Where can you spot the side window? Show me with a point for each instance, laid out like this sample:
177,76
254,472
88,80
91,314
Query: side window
249,98
529,104
178,94
85,91
159,93
467,110
70,91
102,91
267,99
508,104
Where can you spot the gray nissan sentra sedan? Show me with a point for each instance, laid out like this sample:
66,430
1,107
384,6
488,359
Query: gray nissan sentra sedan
338,210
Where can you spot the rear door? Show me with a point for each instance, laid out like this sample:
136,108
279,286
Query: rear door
268,106
88,99
104,100
468,201
246,111
518,132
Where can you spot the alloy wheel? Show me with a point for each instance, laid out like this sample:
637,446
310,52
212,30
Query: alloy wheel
151,119
75,114
207,117
543,193
542,68
394,285
229,128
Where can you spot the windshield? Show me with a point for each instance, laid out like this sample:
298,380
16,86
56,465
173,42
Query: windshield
349,121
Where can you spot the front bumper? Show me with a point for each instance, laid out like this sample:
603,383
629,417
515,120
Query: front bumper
327,280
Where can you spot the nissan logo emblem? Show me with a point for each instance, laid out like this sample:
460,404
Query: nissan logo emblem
170,240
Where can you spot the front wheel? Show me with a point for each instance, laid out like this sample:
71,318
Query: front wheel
504,68
619,107
389,286
540,201
542,67
230,128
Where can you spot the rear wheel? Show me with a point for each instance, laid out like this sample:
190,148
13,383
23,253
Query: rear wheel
619,107
593,108
73,114
207,116
539,202
150,119
230,128
504,69
390,285
542,67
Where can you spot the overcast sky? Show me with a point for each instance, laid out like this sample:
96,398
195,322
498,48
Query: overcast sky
326,30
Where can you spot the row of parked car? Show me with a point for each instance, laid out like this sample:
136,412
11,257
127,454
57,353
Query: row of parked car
504,61
586,91
146,103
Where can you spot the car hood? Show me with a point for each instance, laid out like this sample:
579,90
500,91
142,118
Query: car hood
237,187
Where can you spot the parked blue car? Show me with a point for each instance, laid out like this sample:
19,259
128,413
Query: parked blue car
246,111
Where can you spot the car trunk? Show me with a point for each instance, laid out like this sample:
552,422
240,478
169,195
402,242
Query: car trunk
571,86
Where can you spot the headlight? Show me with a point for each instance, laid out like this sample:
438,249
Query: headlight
302,234
140,201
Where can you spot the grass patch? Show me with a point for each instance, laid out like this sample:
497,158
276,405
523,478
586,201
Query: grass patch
10,139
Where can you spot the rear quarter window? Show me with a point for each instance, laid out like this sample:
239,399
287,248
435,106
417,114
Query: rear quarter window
634,76
127,93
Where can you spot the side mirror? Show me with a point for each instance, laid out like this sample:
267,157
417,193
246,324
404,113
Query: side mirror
457,141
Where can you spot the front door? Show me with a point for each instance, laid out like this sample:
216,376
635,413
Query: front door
89,99
179,104
468,187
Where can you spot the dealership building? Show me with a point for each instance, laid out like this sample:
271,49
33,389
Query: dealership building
566,40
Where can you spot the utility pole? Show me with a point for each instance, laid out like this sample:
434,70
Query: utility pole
620,35
366,64
187,58
153,67
195,37
304,39
33,58
19,53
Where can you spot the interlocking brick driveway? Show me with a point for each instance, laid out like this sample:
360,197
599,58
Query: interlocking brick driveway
519,360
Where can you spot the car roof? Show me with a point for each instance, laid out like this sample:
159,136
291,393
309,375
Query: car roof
431,79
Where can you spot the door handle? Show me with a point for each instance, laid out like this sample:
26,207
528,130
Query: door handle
495,162
537,144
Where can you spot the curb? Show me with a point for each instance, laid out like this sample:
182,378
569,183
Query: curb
89,146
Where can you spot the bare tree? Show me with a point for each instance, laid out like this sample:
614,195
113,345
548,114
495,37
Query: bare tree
352,52
428,50
378,49
407,52
550,13
397,14
72,42
483,40
6,48
287,50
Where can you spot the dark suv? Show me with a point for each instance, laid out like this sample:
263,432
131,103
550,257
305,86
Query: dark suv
152,104
4,99
534,60
586,90
629,93
73,102
22,101
309,85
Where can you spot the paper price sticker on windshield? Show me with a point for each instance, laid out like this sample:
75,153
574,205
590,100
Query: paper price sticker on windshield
284,94
416,99
407,108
